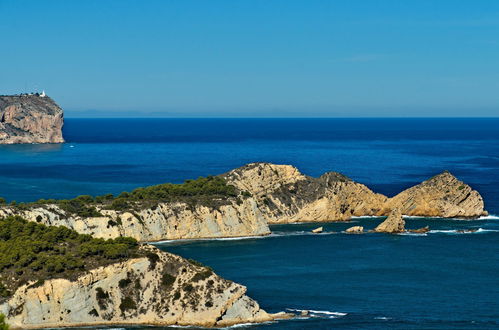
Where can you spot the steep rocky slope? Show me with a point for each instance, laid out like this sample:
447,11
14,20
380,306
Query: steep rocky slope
30,119
244,201
163,221
442,195
54,277
166,291
285,195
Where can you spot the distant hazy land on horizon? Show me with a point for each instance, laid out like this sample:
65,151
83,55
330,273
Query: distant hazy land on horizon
447,279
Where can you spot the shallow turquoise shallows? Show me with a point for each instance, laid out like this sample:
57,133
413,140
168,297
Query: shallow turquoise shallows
441,280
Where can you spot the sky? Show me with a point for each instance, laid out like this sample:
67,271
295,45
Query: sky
255,58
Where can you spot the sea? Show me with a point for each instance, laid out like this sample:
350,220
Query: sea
445,279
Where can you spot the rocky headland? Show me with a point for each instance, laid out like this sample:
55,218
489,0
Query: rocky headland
76,280
244,202
286,195
33,118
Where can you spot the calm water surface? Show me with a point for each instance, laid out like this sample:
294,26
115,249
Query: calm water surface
442,280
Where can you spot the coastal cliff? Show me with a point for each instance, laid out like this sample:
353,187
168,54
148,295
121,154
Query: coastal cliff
286,195
135,292
163,221
30,119
243,202
111,282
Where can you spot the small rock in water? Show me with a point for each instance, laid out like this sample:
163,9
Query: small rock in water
318,230
467,230
304,313
420,230
355,230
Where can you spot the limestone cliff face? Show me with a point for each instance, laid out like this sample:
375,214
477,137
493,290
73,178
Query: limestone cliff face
443,196
279,194
161,290
285,195
30,119
166,221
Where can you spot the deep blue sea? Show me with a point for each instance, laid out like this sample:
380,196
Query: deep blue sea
442,280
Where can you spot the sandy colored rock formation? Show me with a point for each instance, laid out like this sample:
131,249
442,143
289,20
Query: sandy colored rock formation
393,224
161,290
268,194
422,230
30,119
318,230
441,196
285,195
355,230
166,221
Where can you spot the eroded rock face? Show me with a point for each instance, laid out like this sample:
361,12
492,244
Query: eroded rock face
393,224
30,119
441,196
279,194
166,221
161,290
285,195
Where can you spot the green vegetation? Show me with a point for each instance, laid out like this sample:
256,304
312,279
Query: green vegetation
168,279
3,324
127,303
30,251
210,191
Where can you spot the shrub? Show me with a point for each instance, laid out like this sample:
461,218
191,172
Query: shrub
127,303
168,279
32,252
202,275
123,283
3,323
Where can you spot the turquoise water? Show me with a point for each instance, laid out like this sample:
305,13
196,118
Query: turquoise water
442,280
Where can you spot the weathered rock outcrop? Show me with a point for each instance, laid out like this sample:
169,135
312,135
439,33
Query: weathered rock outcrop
165,221
30,119
393,224
267,194
161,290
285,195
355,230
441,196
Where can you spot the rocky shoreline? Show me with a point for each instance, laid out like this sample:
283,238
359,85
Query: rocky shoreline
165,289
266,194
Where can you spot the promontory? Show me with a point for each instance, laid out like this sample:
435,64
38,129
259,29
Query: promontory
244,202
30,118
54,277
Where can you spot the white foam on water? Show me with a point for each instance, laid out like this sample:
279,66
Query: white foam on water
382,318
489,217
412,234
244,325
460,231
274,234
315,313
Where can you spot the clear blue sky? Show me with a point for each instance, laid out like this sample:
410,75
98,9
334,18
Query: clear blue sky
255,58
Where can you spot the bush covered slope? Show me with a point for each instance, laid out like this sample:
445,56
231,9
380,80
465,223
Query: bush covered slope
209,191
31,251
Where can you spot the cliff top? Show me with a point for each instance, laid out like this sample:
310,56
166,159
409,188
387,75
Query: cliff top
35,252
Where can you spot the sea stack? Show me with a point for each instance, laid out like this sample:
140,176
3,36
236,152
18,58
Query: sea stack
30,118
393,224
